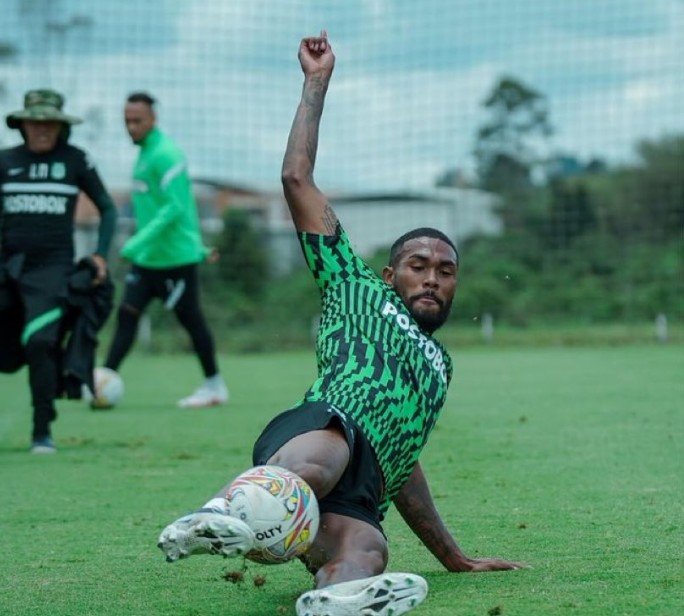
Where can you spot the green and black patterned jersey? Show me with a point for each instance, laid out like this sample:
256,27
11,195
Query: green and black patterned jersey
375,364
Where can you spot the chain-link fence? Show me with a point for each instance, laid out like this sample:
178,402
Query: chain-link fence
546,137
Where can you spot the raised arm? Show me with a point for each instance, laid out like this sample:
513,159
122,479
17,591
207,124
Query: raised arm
309,207
415,505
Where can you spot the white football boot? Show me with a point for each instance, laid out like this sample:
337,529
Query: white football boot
208,394
389,594
43,446
205,532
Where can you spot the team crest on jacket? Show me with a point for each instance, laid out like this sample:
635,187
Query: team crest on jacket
58,171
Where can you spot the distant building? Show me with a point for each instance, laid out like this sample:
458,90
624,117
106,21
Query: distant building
375,220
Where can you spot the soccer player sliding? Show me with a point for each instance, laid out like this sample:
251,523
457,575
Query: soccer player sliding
357,434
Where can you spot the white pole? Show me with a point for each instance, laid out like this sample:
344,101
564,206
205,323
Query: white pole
487,327
661,327
145,331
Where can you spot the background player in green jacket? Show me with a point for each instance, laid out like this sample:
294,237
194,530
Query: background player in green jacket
165,249
358,432
40,181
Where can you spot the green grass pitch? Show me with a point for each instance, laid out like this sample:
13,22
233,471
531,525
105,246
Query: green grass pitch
568,459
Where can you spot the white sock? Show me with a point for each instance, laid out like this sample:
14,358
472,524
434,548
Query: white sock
218,504
214,381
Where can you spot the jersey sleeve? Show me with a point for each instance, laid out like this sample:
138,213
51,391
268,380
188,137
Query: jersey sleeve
91,184
89,180
332,260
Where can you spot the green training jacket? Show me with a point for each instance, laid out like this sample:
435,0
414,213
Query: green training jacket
168,230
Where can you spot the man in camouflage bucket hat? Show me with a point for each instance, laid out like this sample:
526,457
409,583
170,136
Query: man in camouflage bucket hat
40,181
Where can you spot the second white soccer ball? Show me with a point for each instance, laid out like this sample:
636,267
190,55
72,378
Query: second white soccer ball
281,509
109,389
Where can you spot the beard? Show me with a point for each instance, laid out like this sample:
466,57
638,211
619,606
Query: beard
429,320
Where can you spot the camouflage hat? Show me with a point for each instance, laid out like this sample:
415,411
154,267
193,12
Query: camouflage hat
41,106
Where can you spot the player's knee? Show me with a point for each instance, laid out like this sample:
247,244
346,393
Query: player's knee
368,547
377,557
320,478
319,457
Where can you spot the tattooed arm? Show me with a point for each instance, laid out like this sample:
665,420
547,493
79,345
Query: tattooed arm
415,505
309,207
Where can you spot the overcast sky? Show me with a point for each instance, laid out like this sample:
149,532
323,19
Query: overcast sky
405,101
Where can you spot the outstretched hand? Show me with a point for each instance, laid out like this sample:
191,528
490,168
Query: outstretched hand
316,55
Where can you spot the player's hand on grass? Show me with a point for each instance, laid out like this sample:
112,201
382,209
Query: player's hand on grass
477,565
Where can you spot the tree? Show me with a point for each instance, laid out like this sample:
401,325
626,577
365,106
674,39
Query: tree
645,201
508,144
660,186
571,212
7,50
243,265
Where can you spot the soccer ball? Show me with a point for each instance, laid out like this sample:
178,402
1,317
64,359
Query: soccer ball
281,509
109,389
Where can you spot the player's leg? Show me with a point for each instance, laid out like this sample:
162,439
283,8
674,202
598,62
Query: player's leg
319,457
43,292
386,594
184,299
11,317
345,549
349,555
42,358
205,531
138,293
209,530
340,466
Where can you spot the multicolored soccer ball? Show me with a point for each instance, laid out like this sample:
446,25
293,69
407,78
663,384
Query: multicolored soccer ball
281,509
109,389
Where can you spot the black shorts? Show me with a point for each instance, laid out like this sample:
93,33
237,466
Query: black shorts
177,287
40,292
358,492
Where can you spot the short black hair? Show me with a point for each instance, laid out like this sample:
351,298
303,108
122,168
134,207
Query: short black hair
419,232
141,97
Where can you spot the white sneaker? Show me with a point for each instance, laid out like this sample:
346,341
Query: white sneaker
205,532
389,594
43,446
206,395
